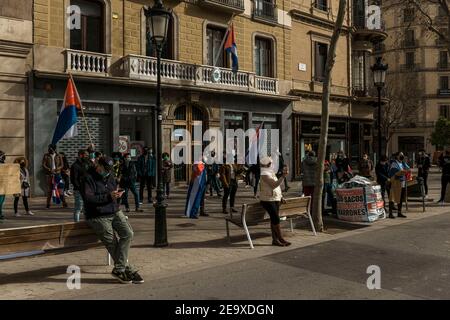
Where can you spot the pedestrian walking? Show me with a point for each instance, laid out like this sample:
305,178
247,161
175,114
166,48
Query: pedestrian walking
78,172
24,187
423,164
271,198
2,196
128,179
308,171
65,174
52,165
255,169
397,174
382,173
213,173
228,176
146,169
366,167
100,194
328,176
167,166
444,163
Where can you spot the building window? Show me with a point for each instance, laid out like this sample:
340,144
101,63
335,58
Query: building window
410,59
408,15
263,57
444,111
443,82
214,38
322,5
360,67
266,10
320,59
90,37
168,49
443,59
410,39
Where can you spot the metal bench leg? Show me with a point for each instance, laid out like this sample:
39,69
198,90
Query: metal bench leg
228,232
292,226
248,235
312,224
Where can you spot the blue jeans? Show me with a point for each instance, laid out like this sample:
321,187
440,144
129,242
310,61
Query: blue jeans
2,200
78,206
133,190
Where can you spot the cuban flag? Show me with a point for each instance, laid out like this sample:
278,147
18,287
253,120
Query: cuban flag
67,120
256,143
197,188
230,47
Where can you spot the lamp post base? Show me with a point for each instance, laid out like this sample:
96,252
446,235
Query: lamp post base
160,221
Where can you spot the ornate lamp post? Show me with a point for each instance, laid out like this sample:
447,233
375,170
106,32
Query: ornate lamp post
379,78
159,18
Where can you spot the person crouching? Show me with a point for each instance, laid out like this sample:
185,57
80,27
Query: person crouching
100,194
270,198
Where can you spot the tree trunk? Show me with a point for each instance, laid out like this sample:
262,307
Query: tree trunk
331,58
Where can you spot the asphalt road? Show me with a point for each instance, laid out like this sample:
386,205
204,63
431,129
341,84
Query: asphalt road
414,259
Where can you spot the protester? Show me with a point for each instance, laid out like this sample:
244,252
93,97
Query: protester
271,197
167,166
146,170
128,178
228,176
213,173
196,192
444,162
65,174
308,170
343,169
397,175
366,167
103,215
423,164
328,176
52,164
382,173
24,187
281,169
255,169
2,196
78,171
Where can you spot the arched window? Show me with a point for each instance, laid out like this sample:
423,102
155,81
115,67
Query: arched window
90,35
168,49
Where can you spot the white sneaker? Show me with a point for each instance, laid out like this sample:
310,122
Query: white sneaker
29,213
17,214
70,192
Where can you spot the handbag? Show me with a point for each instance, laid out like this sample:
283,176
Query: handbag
25,185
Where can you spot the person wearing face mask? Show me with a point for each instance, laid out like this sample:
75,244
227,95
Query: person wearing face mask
2,196
423,164
309,168
78,171
343,169
103,215
382,173
167,166
366,167
24,186
52,164
444,163
128,177
271,197
146,169
397,175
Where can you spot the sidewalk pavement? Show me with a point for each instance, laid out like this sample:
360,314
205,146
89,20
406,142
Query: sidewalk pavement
193,245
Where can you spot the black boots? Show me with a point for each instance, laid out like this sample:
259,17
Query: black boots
399,211
391,207
277,239
399,214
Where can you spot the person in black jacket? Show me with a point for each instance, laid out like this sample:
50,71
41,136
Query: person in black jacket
100,194
77,172
423,164
444,163
128,178
382,172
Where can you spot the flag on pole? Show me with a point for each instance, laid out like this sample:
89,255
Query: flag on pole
67,120
256,143
230,46
197,188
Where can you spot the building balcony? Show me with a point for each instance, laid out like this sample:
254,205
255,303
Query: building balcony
185,74
443,92
410,67
443,65
265,11
84,62
362,32
411,43
235,6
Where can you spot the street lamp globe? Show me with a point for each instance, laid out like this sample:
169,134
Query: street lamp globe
159,18
379,73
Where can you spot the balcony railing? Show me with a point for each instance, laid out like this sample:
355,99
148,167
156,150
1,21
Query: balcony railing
265,10
409,43
410,67
87,62
231,5
443,65
179,73
443,92
360,22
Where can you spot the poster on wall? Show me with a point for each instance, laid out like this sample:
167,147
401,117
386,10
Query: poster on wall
137,148
9,179
124,144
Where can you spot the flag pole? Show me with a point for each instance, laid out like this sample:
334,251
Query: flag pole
216,58
82,111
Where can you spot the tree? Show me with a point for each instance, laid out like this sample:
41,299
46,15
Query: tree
331,58
440,137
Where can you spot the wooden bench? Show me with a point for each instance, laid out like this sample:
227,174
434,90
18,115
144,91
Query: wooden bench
253,214
17,242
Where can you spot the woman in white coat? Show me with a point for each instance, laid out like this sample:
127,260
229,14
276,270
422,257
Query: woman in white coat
25,187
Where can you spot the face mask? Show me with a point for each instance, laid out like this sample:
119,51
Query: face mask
166,158
401,158
22,164
92,155
127,159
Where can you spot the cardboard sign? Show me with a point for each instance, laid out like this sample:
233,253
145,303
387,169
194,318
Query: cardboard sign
351,204
9,179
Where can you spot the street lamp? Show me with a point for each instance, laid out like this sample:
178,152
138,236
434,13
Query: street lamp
159,18
379,78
